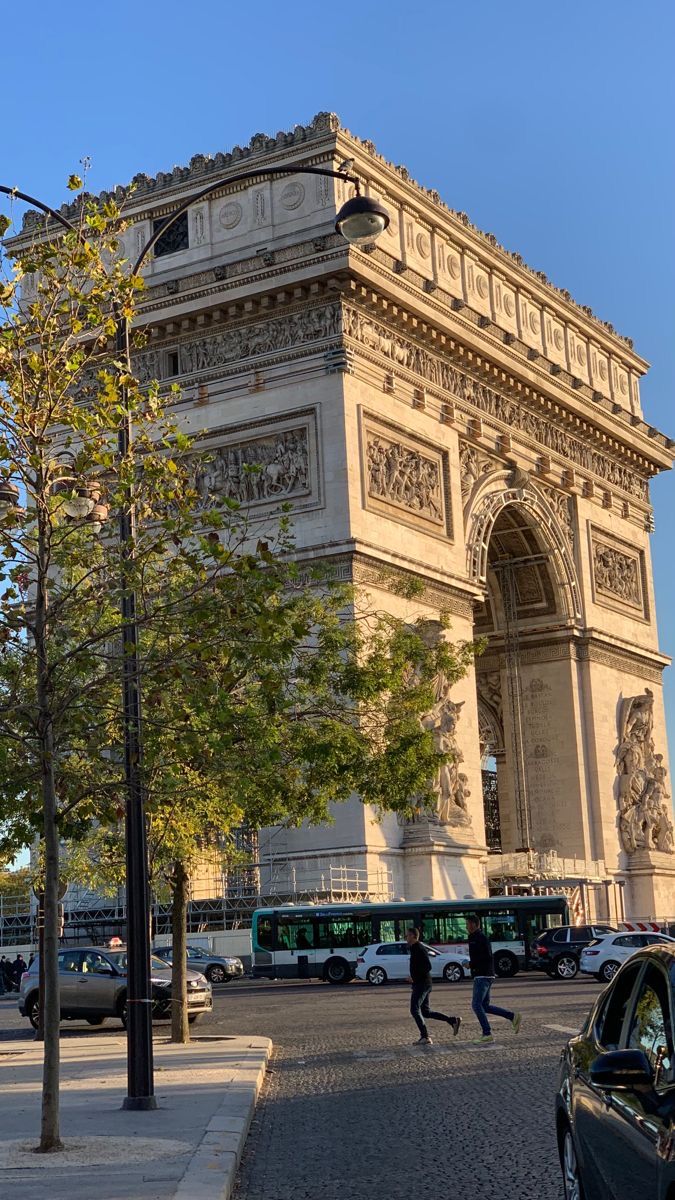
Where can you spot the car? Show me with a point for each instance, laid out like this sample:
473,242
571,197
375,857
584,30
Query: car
217,968
383,961
604,956
93,986
557,951
615,1104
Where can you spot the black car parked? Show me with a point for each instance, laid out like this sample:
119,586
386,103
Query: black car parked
557,951
615,1108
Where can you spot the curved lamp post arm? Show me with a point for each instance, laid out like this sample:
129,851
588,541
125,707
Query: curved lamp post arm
50,212
216,184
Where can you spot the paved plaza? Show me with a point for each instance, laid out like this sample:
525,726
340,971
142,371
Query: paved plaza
352,1110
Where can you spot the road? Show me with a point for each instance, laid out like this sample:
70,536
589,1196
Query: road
353,1111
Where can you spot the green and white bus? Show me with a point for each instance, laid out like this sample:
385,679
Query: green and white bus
323,941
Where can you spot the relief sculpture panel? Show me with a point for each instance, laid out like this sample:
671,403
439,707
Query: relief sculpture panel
277,463
617,573
405,475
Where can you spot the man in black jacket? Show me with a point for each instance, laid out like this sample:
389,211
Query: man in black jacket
483,974
420,978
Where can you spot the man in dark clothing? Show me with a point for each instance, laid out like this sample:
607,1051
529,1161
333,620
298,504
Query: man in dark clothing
18,968
482,972
420,978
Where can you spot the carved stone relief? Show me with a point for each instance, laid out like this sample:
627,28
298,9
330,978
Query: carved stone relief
230,346
563,507
445,375
644,815
275,466
450,785
617,572
472,464
405,474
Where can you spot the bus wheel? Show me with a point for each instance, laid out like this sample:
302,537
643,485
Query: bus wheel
506,964
337,970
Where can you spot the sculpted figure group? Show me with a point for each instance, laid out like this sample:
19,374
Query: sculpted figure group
644,816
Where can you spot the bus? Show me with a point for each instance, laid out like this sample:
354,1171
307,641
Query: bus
317,941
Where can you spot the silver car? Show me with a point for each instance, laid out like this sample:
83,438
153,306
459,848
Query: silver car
93,986
216,967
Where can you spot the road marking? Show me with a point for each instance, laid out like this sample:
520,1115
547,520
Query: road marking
561,1028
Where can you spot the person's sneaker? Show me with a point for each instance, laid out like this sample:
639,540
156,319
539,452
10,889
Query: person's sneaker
486,1040
423,1041
455,1022
517,1022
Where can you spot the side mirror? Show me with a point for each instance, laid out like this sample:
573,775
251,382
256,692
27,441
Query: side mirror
622,1069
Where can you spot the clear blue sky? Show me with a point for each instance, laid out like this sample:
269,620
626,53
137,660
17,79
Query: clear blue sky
551,125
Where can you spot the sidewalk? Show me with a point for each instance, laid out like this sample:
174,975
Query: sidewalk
188,1149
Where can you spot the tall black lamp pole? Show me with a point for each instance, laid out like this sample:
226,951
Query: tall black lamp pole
360,221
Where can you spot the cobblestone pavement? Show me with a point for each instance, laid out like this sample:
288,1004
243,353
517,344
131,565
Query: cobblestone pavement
351,1110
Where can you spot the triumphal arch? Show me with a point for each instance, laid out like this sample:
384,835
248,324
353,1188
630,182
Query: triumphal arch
436,410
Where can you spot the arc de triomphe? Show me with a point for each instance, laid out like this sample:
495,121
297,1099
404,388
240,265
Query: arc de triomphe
433,407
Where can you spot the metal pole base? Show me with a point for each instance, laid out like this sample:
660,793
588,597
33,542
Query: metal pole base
140,1103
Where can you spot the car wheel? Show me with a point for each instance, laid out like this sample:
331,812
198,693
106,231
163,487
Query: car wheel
376,976
337,970
570,1169
216,974
607,971
33,1011
566,966
453,972
506,964
195,1018
122,1012
95,1020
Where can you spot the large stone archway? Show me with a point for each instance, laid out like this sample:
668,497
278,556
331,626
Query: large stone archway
435,410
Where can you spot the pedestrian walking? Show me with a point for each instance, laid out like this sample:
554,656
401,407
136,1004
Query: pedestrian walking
18,968
420,978
8,974
2,975
482,972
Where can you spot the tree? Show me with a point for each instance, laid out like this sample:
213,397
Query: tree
268,704
63,394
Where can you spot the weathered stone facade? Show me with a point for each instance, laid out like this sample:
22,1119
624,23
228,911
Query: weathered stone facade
431,406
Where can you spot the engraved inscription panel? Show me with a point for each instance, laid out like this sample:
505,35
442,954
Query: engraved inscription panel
404,475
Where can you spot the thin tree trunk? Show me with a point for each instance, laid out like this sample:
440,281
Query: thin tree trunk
50,1134
180,1027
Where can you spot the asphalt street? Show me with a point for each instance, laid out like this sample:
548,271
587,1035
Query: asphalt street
353,1110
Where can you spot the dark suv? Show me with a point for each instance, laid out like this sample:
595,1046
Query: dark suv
557,951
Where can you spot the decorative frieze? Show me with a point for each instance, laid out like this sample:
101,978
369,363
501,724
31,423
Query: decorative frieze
563,507
229,347
618,571
443,374
405,475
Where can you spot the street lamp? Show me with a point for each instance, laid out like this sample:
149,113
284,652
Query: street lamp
360,221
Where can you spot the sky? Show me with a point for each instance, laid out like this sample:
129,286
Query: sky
551,125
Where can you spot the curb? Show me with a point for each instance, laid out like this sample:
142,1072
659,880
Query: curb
212,1170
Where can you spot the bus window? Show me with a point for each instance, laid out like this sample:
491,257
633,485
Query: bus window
295,933
387,931
501,926
343,932
443,928
264,933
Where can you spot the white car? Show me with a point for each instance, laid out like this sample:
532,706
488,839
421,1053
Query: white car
391,960
605,955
